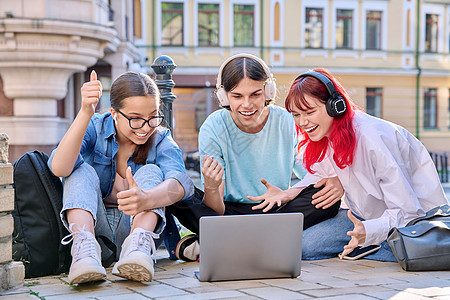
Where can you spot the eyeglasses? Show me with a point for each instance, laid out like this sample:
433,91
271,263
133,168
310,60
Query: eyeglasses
138,123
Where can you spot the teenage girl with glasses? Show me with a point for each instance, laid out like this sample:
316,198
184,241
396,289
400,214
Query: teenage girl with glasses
120,170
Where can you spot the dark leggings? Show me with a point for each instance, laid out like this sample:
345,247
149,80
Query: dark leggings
189,211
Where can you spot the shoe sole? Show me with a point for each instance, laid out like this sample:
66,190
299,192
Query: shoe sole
88,277
134,272
179,249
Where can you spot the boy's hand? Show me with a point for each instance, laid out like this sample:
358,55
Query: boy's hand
273,196
212,173
331,193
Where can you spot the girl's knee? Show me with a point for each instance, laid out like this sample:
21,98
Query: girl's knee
82,190
148,176
149,170
84,173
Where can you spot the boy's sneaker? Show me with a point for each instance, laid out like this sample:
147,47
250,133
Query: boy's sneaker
188,248
135,260
86,260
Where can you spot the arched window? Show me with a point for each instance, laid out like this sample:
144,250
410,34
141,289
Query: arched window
137,11
276,25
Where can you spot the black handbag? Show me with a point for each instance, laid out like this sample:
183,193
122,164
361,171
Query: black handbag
424,243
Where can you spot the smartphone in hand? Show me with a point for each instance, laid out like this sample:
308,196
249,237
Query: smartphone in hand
360,252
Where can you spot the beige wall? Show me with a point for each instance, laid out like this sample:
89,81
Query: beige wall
45,48
393,68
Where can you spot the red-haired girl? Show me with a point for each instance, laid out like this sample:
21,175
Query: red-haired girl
387,174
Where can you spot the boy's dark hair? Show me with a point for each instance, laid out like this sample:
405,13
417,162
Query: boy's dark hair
240,68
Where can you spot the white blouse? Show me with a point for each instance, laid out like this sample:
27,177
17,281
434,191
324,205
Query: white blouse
391,181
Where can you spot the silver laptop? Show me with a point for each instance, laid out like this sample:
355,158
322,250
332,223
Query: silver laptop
250,246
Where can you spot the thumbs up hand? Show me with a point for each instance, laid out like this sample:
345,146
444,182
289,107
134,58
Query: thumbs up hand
131,201
130,179
91,92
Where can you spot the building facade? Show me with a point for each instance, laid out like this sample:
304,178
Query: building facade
393,56
47,50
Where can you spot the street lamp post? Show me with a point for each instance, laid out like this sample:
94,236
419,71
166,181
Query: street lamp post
163,66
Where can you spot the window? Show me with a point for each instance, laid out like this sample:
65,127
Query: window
431,33
172,24
276,22
430,108
344,22
104,102
373,30
127,28
448,116
208,24
137,12
206,104
314,28
244,24
373,101
408,28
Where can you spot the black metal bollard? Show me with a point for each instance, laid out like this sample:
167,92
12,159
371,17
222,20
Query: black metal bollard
163,66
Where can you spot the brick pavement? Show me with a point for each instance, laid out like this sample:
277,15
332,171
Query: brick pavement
324,279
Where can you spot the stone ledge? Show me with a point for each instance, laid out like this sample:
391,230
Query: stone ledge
6,224
3,148
6,174
12,275
5,249
6,199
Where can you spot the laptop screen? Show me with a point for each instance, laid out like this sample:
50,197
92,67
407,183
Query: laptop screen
250,246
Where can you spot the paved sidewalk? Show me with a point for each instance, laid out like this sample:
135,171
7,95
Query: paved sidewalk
323,279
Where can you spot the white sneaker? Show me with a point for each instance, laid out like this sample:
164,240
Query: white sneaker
86,260
135,260
188,248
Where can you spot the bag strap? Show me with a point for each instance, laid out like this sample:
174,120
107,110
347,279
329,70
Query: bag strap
43,171
440,211
54,189
55,196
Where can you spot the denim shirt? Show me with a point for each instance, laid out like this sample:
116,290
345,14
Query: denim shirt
99,149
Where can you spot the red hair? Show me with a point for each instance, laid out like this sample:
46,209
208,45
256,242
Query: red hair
342,137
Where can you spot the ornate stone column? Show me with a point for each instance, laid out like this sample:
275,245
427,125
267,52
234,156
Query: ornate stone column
41,45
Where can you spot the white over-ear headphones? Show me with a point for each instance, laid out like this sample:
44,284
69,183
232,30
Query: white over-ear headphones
270,87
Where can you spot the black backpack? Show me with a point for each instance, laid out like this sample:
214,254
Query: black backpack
38,229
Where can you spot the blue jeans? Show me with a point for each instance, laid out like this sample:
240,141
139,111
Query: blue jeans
82,190
328,238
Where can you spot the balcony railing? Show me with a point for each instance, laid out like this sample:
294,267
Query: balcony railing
440,160
110,14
